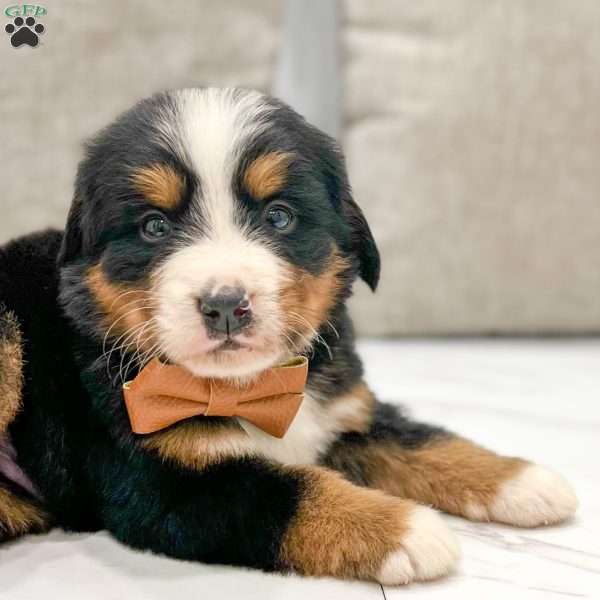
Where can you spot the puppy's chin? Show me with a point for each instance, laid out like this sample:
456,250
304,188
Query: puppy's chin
183,341
240,364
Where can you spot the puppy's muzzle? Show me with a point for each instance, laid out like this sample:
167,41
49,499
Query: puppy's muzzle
227,312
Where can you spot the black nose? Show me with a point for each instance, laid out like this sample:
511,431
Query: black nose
226,312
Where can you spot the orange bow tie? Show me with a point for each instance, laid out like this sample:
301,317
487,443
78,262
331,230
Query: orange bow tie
164,394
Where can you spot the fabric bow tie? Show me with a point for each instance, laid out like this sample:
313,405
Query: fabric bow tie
164,394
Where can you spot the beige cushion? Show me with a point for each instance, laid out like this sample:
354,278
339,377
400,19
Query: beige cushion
473,143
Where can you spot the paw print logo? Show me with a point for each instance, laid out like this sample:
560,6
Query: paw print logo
24,32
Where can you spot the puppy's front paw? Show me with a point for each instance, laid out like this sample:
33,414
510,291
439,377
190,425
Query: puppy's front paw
533,496
427,550
352,532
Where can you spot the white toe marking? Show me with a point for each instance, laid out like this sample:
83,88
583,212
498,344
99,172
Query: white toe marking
536,496
396,569
428,550
477,512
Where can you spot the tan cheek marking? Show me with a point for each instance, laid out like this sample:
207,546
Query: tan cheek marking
307,301
267,174
341,529
353,411
11,369
451,474
126,308
160,184
196,445
18,516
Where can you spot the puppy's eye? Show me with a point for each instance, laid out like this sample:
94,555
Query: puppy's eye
280,217
155,227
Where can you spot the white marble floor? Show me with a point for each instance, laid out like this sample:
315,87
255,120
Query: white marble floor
538,399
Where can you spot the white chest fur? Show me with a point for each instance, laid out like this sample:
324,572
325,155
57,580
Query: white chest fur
309,435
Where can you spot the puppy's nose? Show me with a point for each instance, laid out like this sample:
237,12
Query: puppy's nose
226,311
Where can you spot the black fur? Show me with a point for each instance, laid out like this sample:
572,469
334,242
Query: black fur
47,432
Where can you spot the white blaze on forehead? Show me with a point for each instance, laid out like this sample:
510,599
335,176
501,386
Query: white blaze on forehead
211,129
214,125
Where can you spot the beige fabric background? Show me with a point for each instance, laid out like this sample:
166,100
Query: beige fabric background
472,130
97,59
473,142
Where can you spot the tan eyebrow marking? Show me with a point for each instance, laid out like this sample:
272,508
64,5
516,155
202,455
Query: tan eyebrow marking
266,175
160,184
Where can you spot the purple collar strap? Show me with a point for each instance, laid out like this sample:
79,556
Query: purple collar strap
11,470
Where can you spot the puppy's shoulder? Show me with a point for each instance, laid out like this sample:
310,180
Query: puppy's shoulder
31,255
29,275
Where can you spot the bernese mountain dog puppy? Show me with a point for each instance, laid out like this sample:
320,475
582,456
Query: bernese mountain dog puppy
215,229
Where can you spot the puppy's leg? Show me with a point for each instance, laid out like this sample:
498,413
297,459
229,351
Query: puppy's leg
432,466
11,368
251,513
19,515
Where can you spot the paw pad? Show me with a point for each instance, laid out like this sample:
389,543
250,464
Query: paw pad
24,31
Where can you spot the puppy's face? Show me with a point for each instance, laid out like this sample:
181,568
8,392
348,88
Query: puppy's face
213,228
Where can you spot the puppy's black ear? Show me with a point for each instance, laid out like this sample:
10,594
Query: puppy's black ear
363,243
72,242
